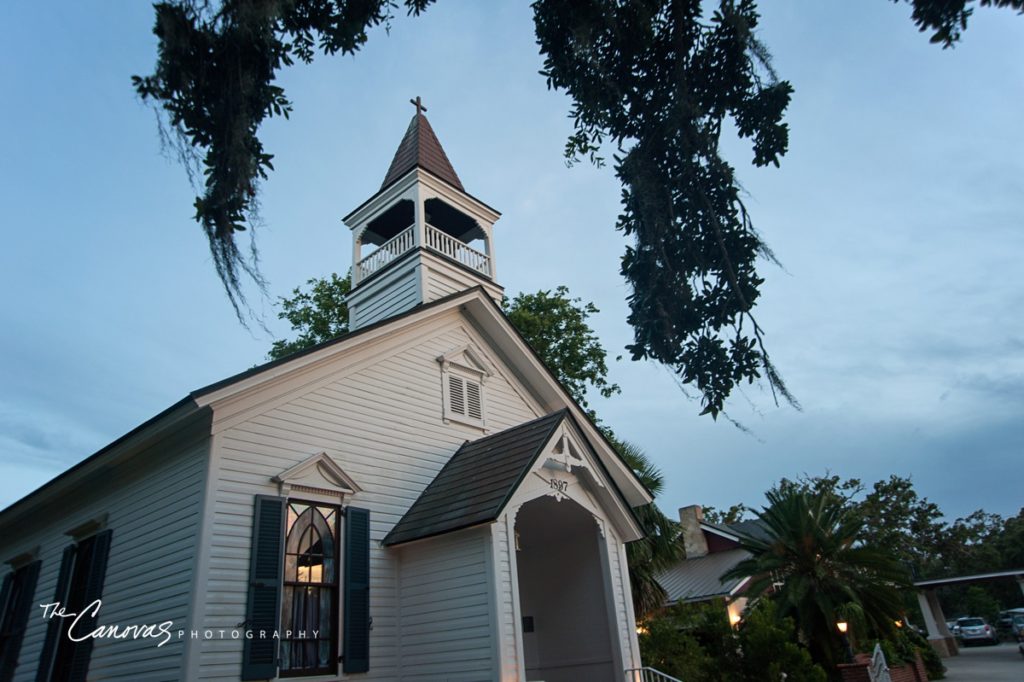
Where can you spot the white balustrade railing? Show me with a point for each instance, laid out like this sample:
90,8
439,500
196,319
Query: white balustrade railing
387,252
648,674
449,246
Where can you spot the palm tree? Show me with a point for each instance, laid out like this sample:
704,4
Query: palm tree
660,549
817,572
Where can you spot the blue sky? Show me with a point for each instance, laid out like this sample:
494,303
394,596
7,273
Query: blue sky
898,215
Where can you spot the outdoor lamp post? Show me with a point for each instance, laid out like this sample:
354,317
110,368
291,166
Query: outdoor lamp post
843,626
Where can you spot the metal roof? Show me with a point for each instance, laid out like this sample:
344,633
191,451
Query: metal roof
420,148
976,578
752,528
700,578
477,482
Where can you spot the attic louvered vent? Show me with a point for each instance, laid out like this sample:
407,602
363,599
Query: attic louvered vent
457,395
462,375
474,409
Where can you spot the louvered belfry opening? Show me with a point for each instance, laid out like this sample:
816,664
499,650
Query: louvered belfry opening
422,236
397,218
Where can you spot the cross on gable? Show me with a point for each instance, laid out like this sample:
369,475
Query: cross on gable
418,103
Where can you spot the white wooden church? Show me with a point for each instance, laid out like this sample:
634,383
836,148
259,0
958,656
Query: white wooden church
416,500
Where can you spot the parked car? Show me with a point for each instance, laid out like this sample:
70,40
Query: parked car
973,630
1009,623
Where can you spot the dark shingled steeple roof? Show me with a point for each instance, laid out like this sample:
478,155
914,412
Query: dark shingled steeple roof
477,482
420,148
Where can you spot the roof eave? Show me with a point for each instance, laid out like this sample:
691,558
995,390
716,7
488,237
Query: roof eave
137,437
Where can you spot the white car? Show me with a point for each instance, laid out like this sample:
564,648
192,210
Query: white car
975,630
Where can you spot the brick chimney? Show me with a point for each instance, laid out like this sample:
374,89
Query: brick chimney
694,542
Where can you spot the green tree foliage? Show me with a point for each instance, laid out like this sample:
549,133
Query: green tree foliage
557,329
214,81
733,514
657,79
317,315
694,642
896,518
946,19
817,572
660,82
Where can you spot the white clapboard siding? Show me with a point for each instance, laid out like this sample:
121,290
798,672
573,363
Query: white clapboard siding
382,423
446,619
389,294
153,506
444,278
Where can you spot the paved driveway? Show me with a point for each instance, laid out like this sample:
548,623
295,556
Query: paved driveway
1001,663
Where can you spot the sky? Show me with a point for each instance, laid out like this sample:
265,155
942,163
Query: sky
898,215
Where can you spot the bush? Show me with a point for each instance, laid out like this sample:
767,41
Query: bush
902,649
695,642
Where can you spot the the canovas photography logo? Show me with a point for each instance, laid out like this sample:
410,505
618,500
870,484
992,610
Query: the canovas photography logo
78,628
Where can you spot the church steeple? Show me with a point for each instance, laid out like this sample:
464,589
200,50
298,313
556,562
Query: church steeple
420,148
421,236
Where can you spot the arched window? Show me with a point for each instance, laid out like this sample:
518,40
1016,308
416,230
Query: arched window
309,607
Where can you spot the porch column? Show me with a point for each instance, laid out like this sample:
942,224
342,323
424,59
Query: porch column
939,636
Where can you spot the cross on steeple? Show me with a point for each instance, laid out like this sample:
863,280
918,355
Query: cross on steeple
418,103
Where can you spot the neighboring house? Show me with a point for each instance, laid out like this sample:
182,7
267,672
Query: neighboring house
419,499
712,549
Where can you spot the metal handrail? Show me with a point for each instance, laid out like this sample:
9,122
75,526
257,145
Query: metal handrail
648,674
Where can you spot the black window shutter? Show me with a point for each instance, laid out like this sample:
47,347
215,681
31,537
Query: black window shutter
93,590
259,655
19,610
356,652
8,579
53,627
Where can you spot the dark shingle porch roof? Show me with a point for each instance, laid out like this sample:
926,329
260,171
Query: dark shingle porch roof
477,482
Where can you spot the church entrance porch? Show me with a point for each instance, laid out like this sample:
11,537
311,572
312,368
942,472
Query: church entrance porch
564,594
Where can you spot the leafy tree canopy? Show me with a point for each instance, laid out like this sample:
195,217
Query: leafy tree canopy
556,327
695,642
915,532
656,80
817,572
317,315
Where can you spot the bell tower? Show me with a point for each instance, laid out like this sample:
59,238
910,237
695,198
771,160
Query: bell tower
421,236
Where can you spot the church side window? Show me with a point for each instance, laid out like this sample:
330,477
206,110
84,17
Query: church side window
309,605
16,600
80,581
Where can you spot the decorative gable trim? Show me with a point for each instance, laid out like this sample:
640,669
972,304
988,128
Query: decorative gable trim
468,359
319,475
463,373
568,469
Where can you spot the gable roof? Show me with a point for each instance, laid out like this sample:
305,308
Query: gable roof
477,482
420,148
699,579
475,301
